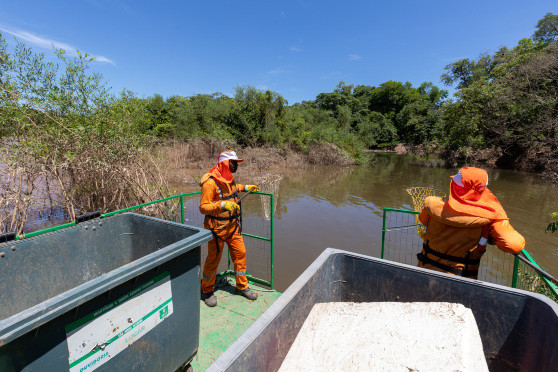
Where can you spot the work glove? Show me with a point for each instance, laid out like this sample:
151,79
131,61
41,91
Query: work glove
251,188
230,206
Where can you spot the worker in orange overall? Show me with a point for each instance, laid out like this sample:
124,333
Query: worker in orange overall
460,227
218,203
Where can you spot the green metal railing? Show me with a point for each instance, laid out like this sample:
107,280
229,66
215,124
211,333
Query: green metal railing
401,243
166,211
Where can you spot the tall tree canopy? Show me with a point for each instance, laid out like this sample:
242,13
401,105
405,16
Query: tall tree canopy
547,28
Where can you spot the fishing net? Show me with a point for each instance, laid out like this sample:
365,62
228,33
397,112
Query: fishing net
268,183
418,194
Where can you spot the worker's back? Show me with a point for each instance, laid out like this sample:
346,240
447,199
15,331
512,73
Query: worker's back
451,233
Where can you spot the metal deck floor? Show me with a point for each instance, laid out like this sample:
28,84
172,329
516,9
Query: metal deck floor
221,325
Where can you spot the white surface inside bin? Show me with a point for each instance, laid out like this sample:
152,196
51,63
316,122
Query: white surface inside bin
387,336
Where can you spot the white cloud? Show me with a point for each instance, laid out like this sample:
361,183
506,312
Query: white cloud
354,57
295,49
333,75
103,59
48,43
278,70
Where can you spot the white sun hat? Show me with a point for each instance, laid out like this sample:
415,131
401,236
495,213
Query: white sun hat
229,155
459,182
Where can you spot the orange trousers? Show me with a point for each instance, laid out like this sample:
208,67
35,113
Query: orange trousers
215,250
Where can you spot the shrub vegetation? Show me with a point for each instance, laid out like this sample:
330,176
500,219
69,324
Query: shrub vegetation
94,148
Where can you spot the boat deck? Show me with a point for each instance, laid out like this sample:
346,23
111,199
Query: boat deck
221,325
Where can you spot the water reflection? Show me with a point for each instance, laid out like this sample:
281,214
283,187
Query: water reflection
341,207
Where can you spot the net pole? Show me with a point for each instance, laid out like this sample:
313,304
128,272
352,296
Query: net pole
515,271
182,209
271,232
383,234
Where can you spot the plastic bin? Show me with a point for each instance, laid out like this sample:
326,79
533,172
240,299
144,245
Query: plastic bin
518,329
117,293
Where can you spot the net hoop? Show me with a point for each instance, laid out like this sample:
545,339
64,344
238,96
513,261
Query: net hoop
269,183
419,194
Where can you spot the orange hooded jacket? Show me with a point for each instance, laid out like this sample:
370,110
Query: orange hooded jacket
218,185
458,228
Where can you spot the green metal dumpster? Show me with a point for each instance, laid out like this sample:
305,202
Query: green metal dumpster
117,293
518,329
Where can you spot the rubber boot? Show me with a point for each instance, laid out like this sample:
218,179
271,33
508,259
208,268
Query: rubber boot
210,299
249,294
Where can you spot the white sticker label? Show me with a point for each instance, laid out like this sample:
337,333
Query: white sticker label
98,337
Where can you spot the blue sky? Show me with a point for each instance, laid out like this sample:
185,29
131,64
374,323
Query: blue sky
295,48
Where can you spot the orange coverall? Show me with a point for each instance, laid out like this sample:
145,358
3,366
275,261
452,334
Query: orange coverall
226,230
459,235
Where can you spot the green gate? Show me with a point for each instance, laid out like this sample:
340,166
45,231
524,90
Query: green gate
401,243
257,229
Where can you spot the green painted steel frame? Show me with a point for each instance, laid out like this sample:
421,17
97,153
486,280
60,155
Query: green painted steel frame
384,224
551,286
181,200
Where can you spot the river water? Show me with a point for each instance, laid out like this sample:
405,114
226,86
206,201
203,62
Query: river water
341,207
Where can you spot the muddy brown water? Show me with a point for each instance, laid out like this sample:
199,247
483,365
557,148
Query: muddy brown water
341,207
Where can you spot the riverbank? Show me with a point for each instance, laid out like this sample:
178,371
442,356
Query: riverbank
177,166
540,162
184,163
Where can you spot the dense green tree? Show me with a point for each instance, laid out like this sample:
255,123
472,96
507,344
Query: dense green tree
506,101
547,28
417,122
390,97
128,113
363,93
344,117
435,95
412,113
487,68
461,72
159,114
377,130
344,89
256,115
340,97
